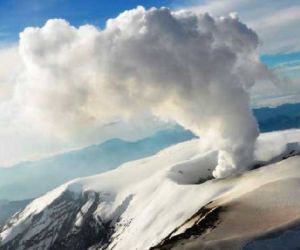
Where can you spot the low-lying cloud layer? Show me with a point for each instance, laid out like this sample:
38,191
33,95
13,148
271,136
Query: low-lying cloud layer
175,66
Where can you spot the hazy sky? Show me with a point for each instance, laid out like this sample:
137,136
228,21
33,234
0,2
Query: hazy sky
275,22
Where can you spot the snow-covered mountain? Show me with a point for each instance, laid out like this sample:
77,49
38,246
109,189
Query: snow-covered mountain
170,201
9,208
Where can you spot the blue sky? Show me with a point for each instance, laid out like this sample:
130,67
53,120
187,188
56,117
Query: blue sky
15,15
277,59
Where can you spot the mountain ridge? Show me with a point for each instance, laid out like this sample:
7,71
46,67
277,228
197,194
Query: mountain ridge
136,206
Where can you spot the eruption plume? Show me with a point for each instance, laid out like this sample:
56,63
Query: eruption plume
181,66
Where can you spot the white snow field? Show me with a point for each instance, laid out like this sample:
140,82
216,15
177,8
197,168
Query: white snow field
146,200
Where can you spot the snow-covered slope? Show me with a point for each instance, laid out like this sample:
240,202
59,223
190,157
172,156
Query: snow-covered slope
158,201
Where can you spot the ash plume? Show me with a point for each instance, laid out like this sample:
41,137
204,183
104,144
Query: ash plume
180,66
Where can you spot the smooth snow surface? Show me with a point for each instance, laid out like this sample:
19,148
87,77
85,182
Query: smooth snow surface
148,198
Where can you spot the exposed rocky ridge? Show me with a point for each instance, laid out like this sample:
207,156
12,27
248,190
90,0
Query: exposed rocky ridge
157,203
9,208
67,223
204,220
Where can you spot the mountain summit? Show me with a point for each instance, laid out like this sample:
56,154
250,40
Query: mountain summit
169,201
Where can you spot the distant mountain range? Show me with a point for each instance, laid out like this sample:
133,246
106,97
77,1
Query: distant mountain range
279,118
31,179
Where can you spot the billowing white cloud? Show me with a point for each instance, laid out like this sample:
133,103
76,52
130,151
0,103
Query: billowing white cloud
277,25
174,66
276,22
9,69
